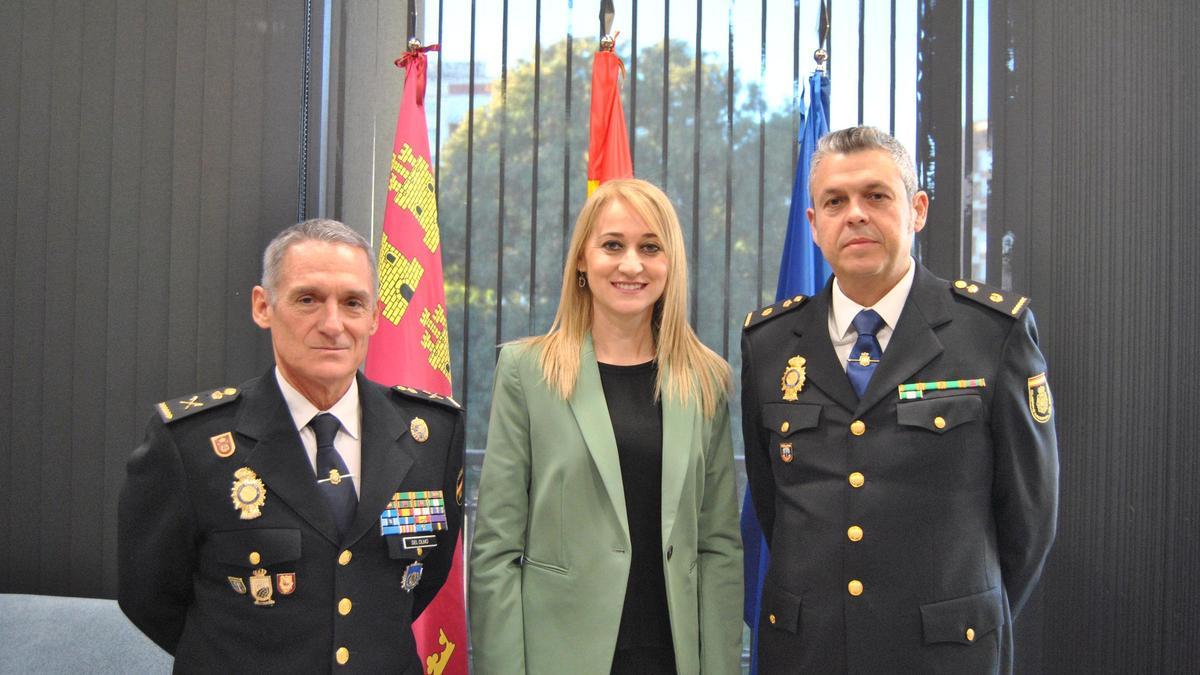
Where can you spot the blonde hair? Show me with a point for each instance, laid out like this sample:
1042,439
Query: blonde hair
687,369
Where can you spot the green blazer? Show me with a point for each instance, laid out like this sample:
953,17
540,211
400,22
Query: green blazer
551,554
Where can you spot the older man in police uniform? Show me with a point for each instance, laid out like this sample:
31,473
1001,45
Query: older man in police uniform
900,443
301,521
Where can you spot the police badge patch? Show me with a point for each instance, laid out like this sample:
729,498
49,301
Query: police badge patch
1041,406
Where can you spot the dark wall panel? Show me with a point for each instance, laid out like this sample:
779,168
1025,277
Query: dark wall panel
1094,131
121,413
83,495
939,133
147,153
10,91
58,270
29,281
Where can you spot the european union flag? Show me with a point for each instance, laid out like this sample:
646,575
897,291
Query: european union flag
802,271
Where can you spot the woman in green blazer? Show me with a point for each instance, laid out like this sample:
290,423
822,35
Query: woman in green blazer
607,532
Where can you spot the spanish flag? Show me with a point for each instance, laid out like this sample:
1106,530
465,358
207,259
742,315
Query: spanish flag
608,149
412,346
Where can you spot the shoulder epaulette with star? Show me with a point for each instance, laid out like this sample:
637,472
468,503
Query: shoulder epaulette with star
1005,302
174,409
422,395
771,311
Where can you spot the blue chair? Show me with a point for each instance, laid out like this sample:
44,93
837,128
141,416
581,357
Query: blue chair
45,634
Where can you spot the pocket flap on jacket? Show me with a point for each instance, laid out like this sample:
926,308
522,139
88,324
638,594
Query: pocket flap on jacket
797,416
963,620
780,609
255,548
939,415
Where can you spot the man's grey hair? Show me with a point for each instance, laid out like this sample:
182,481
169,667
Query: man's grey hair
860,139
317,229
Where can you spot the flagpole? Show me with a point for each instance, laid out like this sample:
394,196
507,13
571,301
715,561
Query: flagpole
606,20
412,25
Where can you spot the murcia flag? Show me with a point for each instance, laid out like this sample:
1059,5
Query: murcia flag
412,346
608,147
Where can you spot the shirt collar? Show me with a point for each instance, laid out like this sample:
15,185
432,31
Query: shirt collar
346,409
889,306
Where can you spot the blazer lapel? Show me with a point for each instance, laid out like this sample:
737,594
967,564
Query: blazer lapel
822,368
385,461
680,422
278,457
914,342
591,413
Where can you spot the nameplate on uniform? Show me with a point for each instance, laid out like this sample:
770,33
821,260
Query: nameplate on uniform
419,542
916,390
414,513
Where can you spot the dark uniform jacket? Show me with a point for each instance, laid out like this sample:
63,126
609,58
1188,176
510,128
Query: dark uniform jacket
190,565
904,533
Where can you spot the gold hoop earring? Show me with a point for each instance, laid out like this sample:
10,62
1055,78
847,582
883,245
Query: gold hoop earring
581,279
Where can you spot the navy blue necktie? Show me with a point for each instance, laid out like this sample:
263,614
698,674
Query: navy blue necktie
333,478
866,352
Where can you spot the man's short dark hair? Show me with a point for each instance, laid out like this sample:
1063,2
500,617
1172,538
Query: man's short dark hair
860,139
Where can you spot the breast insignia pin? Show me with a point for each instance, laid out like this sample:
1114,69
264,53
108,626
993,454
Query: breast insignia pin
223,445
793,378
411,576
248,493
261,588
237,585
286,582
419,430
785,453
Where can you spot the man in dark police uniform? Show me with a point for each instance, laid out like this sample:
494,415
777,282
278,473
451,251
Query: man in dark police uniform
900,443
301,521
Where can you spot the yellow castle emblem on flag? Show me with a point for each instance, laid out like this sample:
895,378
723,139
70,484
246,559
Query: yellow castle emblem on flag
435,340
398,279
411,186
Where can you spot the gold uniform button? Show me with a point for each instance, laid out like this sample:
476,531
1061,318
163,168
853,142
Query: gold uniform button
771,618
783,428
939,422
857,480
854,533
855,587
858,427
970,635
960,284
344,558
342,655
344,606
254,557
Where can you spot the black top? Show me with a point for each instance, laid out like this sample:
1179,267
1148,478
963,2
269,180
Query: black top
637,425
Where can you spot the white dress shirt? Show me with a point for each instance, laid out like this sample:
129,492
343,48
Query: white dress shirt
843,310
347,410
